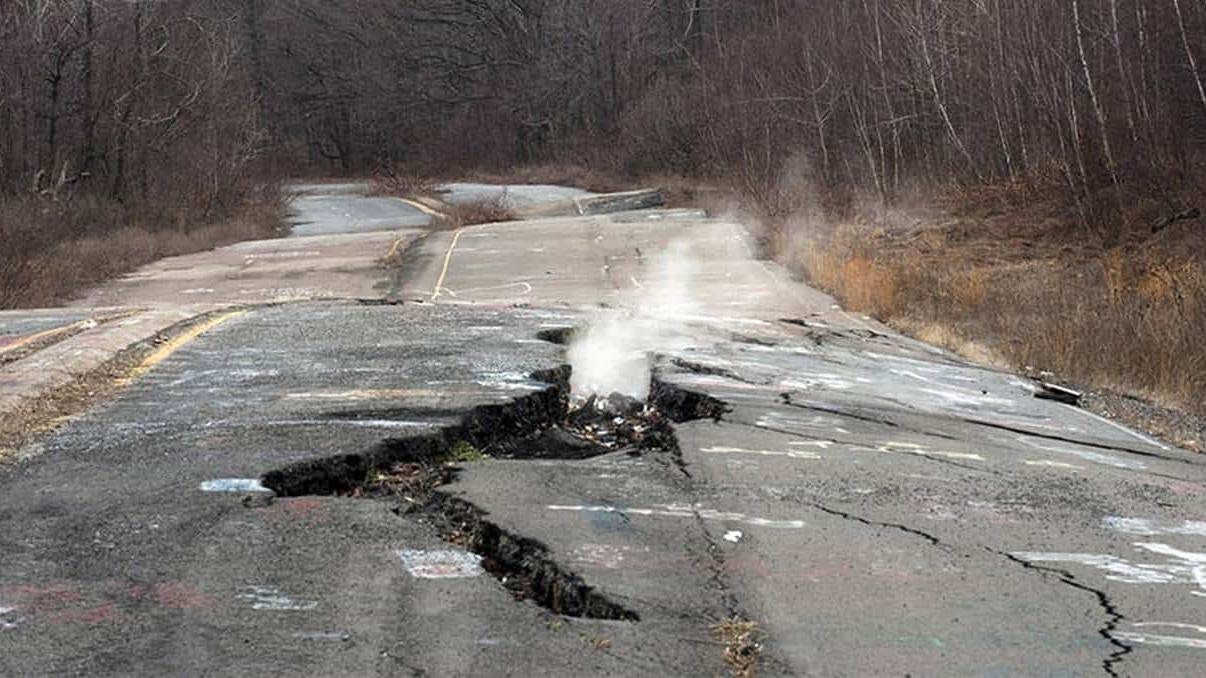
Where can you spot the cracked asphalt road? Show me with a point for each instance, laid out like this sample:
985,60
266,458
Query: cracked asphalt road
876,506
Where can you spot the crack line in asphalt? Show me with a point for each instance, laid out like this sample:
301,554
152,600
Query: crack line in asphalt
1069,579
1073,441
786,398
934,541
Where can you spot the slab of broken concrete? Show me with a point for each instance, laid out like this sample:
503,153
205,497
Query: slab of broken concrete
597,204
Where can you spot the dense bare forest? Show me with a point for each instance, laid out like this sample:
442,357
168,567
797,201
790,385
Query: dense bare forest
177,100
164,121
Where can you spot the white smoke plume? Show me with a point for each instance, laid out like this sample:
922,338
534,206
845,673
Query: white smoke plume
615,353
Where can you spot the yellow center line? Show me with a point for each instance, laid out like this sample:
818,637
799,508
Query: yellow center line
435,293
393,250
80,325
421,207
46,334
175,344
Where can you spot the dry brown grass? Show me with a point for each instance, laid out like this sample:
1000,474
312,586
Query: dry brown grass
1130,318
54,250
483,212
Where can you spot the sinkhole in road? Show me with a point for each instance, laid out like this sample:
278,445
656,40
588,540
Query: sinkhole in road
410,472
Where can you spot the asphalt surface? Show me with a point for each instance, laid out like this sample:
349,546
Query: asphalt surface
330,208
336,266
326,209
515,196
876,506
19,325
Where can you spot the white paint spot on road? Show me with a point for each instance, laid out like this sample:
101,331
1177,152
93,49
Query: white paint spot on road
440,564
234,485
270,598
733,536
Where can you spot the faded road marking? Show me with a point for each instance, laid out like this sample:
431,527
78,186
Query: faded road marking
175,344
440,564
682,511
910,448
234,485
1050,464
823,444
793,454
1159,641
1150,527
1095,457
270,598
526,287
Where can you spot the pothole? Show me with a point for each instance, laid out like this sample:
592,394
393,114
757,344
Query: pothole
410,472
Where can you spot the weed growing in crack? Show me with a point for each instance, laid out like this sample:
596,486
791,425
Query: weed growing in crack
465,452
743,645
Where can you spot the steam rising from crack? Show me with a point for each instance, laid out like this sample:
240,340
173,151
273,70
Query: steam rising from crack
615,353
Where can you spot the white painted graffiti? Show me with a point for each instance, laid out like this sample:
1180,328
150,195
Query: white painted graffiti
1051,464
1151,527
270,598
1180,567
1164,640
779,420
814,381
1086,455
822,444
910,448
440,564
601,555
793,454
684,511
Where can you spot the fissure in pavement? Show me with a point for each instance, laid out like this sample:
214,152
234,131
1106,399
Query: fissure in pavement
410,472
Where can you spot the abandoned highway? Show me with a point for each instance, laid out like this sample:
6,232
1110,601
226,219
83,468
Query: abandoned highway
348,452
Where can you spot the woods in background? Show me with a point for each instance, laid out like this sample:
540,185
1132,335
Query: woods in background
179,100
